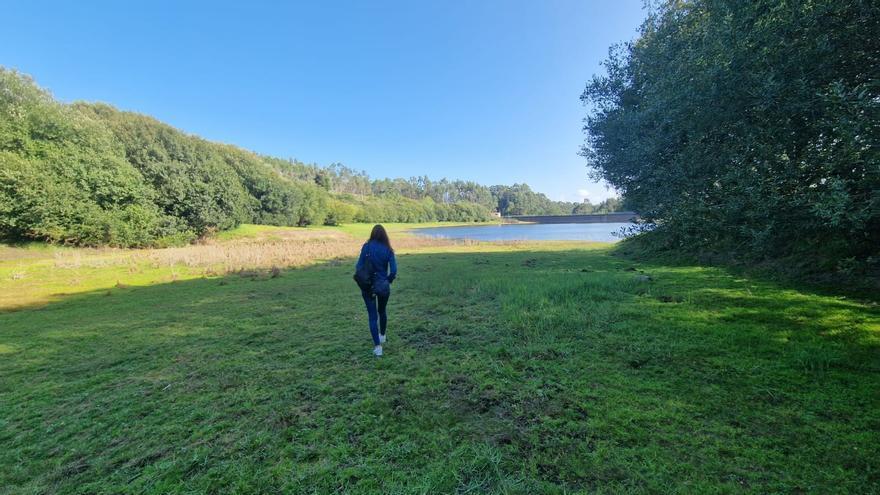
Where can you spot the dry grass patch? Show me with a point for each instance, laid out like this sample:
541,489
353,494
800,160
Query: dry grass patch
239,255
31,276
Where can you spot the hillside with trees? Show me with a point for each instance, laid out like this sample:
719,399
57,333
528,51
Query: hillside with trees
518,199
89,174
748,130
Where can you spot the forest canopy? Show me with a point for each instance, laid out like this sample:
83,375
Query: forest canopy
89,174
747,128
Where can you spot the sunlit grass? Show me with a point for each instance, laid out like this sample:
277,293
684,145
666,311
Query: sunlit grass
33,274
30,275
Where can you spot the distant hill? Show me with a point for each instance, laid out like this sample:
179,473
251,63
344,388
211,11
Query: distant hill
89,174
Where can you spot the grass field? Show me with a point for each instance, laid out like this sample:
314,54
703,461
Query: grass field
510,368
34,274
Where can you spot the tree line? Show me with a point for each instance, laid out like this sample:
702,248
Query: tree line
748,128
518,199
89,174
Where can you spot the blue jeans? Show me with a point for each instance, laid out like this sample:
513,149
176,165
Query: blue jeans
378,318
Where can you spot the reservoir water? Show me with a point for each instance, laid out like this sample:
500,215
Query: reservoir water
600,232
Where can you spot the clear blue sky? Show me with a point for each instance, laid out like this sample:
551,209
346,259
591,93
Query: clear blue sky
480,90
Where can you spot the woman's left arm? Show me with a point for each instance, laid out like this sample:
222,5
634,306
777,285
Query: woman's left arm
360,261
393,266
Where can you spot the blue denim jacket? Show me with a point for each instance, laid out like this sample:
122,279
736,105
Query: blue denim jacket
382,259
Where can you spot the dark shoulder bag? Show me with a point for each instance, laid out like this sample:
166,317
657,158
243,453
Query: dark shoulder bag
363,275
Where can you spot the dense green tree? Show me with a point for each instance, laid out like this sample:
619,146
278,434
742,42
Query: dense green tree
519,199
747,126
340,212
193,178
64,178
90,174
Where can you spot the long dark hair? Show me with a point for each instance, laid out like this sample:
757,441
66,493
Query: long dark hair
379,235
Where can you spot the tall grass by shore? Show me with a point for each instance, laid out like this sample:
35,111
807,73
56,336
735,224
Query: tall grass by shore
35,274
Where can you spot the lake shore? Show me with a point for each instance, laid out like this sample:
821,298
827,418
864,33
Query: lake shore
555,231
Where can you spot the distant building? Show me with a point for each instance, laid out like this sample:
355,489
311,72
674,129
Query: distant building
496,214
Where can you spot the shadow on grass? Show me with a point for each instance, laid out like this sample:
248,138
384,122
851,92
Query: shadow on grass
521,371
794,273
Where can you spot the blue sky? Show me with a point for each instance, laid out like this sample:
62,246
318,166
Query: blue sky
479,90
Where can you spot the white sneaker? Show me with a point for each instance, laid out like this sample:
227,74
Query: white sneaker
381,338
377,350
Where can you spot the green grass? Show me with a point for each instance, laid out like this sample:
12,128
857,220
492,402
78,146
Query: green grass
542,368
30,277
36,273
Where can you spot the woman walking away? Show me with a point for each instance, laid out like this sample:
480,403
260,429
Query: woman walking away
375,270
